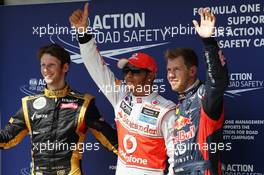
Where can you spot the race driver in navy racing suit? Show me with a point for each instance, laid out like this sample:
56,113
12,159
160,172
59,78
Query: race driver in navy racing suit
200,114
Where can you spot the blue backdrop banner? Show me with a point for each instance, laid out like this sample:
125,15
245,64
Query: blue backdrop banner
122,28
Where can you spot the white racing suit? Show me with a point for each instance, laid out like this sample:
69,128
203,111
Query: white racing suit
144,124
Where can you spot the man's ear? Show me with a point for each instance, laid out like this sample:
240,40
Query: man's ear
65,67
151,77
193,71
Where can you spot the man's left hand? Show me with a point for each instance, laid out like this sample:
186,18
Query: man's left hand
207,25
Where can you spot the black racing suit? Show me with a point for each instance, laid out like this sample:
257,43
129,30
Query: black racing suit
200,118
58,122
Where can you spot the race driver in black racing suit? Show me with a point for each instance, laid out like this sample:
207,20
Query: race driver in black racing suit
57,120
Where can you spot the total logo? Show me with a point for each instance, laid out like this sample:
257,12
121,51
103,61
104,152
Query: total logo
241,83
34,86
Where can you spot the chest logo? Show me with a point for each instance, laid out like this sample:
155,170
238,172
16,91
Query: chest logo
68,106
40,103
130,143
150,112
127,109
182,122
38,116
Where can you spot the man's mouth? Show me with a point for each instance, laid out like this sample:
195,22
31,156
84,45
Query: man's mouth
173,82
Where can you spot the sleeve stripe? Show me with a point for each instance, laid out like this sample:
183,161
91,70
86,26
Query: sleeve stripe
25,111
99,136
86,103
15,140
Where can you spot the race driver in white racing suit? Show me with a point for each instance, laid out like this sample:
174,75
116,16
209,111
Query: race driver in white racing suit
143,118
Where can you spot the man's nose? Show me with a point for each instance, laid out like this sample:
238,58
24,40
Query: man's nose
171,75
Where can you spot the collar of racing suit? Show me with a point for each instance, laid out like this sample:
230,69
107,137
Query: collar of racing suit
191,90
57,93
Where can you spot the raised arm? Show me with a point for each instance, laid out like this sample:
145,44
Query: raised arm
94,63
216,69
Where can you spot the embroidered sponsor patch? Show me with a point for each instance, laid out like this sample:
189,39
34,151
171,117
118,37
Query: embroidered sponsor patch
150,112
38,116
40,103
127,109
68,106
139,100
149,120
182,122
155,102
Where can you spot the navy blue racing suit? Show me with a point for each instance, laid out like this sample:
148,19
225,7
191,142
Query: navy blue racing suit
200,117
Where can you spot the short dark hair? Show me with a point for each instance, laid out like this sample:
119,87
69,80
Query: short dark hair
57,51
189,56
